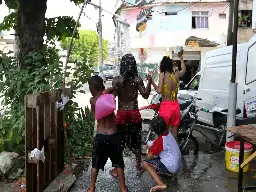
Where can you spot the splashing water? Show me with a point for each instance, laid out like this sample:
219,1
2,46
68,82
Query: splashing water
122,38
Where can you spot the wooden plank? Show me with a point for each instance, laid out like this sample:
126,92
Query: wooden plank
31,101
60,142
53,96
37,99
56,173
28,146
248,132
47,125
34,145
40,144
63,182
53,168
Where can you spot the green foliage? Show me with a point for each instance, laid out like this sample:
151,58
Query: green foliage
9,22
80,124
144,68
60,27
43,71
86,47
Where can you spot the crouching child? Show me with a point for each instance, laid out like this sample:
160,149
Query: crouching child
164,156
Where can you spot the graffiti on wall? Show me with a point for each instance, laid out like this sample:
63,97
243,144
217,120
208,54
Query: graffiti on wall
142,18
143,2
137,2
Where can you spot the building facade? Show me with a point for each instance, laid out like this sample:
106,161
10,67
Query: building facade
245,20
157,27
6,42
254,16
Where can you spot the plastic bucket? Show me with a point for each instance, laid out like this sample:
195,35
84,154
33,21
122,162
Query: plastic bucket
232,155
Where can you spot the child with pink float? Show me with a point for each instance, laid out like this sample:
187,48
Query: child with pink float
106,142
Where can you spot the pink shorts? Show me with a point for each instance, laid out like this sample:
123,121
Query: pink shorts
170,112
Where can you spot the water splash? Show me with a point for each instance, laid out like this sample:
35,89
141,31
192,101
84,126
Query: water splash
122,38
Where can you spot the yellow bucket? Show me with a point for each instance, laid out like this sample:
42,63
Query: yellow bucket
232,155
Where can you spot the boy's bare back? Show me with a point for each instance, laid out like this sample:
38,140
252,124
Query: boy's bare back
107,125
128,93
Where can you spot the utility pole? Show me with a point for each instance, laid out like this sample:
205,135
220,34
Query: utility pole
100,61
232,101
230,23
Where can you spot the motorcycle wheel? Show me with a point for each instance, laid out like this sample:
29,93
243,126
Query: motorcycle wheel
188,144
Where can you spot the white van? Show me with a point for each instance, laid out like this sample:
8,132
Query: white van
250,81
215,79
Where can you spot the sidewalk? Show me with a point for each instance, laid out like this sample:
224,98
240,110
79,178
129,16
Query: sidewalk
205,173
202,173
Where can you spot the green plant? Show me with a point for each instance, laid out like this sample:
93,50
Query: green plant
37,68
144,68
242,20
80,124
43,72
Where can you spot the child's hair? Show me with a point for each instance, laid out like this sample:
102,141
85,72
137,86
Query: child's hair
96,82
158,125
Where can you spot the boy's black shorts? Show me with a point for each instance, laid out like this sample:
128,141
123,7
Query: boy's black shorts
130,136
104,147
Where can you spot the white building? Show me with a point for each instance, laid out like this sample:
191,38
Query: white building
6,42
254,16
199,26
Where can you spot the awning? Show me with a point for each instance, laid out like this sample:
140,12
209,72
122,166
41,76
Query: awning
188,55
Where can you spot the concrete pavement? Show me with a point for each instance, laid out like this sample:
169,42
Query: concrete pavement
203,173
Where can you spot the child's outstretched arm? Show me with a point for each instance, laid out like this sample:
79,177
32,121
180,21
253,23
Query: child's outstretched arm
156,148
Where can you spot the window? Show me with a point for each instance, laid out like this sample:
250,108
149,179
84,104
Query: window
222,16
195,83
245,18
251,67
200,19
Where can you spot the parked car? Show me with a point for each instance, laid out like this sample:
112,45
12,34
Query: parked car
215,78
101,74
109,71
189,91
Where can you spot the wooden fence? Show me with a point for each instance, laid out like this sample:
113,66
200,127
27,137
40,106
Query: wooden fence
44,128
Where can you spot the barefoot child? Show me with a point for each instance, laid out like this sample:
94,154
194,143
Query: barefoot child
164,155
106,142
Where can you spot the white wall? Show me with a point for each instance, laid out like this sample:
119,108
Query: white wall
170,31
156,54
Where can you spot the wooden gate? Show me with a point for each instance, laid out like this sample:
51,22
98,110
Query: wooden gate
44,128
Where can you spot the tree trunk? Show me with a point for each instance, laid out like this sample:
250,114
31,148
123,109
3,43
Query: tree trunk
31,27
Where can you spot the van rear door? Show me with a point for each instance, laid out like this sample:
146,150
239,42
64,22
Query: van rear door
250,80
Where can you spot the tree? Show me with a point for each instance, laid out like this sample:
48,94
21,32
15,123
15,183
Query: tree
86,47
38,68
27,17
